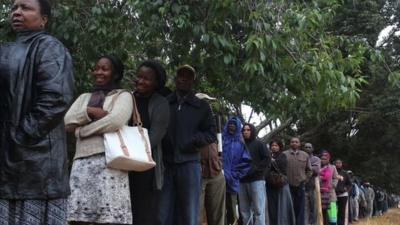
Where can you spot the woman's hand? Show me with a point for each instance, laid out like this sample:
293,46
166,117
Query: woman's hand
96,113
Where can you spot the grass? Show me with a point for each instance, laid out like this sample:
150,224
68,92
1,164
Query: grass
392,217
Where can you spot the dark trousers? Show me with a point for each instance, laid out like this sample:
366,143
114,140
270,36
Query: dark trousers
298,196
144,198
231,212
341,203
179,200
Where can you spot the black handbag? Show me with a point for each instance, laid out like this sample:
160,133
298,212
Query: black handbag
275,178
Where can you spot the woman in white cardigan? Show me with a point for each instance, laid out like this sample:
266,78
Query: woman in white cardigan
99,195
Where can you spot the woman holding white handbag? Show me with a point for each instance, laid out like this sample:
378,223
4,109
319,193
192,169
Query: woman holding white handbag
99,195
154,113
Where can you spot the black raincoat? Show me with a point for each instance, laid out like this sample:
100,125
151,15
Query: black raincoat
36,89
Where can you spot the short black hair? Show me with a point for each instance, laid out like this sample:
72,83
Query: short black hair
158,69
45,8
118,67
278,142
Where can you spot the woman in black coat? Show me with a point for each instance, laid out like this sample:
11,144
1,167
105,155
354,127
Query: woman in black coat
36,85
280,205
154,111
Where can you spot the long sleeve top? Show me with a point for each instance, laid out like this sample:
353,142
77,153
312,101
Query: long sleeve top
89,133
298,167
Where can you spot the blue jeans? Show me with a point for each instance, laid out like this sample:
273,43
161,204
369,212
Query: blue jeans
179,200
252,198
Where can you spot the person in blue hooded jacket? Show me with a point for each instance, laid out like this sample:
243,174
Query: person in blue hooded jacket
236,164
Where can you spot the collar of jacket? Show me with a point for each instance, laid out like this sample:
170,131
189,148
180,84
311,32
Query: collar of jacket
190,99
26,35
293,152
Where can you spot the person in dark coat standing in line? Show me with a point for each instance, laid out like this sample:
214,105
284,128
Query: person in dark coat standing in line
280,204
153,108
252,192
191,127
36,86
342,192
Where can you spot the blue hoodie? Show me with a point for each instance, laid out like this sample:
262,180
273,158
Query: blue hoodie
236,158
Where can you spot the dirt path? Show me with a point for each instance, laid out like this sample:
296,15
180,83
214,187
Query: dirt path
392,217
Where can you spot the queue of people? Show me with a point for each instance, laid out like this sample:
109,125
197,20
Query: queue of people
249,183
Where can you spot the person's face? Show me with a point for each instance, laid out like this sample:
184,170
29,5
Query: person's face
246,132
275,147
26,15
103,72
338,164
146,82
324,160
231,128
308,148
184,80
295,143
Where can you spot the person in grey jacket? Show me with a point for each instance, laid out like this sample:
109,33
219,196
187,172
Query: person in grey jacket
310,196
36,86
153,108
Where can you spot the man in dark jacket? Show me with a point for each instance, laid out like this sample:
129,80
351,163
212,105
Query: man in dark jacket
252,192
191,127
342,192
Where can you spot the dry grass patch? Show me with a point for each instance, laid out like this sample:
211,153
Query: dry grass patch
392,217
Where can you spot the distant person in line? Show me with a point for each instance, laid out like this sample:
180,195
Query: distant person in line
235,163
311,208
279,198
342,191
252,192
299,172
99,195
191,127
328,181
36,86
212,197
354,198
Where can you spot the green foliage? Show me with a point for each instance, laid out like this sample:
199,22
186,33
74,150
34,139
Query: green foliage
287,59
277,57
365,136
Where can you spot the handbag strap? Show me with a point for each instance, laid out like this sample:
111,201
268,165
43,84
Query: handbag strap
273,163
136,121
123,145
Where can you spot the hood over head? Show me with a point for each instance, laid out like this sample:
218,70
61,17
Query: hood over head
238,131
252,131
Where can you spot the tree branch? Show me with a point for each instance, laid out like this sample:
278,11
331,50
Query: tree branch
263,124
277,130
251,115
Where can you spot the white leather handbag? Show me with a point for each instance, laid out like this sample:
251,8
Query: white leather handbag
129,147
